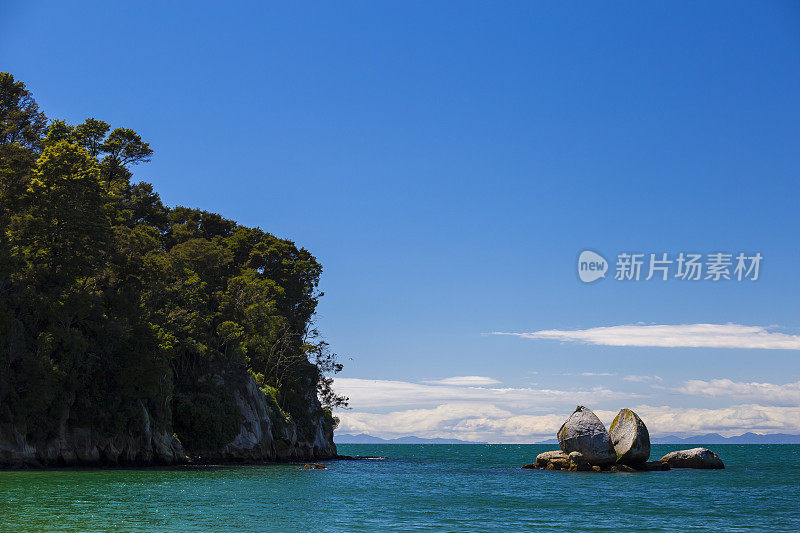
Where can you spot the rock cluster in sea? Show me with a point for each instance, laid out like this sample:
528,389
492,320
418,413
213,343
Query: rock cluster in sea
586,446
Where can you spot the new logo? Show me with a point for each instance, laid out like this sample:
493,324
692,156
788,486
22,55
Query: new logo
591,266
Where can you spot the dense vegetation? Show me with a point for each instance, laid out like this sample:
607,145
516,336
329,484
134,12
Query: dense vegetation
110,300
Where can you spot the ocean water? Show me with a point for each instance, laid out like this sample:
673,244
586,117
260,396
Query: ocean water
418,487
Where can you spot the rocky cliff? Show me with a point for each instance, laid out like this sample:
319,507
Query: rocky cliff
265,434
138,444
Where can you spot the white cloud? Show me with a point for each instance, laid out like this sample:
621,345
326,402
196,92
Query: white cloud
586,374
379,394
674,336
734,420
465,381
505,414
770,393
642,379
487,422
466,421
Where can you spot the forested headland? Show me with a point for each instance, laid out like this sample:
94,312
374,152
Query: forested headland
133,332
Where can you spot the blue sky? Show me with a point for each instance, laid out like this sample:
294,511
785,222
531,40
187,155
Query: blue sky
447,163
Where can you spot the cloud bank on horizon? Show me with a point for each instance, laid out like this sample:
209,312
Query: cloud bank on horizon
480,408
673,336
464,380
505,414
383,393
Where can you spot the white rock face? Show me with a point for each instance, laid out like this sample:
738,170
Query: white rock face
630,438
263,435
694,458
583,432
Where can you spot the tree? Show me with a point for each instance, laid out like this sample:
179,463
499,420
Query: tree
91,134
326,363
123,147
62,230
21,121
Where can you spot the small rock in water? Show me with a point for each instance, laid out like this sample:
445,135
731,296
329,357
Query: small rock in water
630,438
653,466
694,458
583,432
622,468
315,466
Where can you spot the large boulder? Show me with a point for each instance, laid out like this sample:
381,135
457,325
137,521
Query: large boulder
583,432
630,438
694,458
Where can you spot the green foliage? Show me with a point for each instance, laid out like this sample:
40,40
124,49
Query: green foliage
21,122
273,397
112,304
61,230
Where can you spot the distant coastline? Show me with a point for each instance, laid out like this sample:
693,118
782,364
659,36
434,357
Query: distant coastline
363,438
709,438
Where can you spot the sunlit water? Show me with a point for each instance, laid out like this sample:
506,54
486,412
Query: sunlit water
450,488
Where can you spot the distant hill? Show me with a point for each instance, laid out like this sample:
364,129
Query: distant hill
716,438
363,438
709,438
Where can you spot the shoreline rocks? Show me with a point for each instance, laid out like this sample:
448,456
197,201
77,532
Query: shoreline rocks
702,458
556,455
622,468
576,462
654,466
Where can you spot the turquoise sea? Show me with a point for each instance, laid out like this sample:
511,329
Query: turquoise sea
418,487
